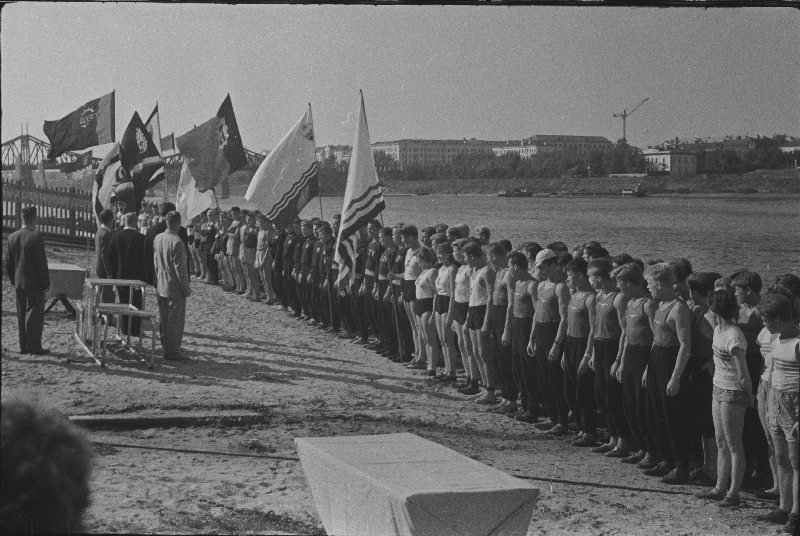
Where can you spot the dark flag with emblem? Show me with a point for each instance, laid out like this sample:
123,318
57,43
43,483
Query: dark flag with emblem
287,179
141,159
363,200
105,180
214,150
81,162
90,125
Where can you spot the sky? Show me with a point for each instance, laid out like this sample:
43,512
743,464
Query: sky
485,72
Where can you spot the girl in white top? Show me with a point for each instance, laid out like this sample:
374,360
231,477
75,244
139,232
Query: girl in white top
457,316
779,311
764,341
732,394
444,290
423,307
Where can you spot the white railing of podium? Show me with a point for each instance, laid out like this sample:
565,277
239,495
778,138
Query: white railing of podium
93,310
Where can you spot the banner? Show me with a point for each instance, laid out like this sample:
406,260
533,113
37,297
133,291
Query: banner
287,179
214,150
167,143
140,157
189,201
363,199
81,162
104,182
153,126
90,125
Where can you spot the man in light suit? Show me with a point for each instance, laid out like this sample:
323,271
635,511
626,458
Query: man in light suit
102,248
172,285
27,269
127,262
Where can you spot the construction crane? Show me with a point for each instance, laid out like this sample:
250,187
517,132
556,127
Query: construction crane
624,115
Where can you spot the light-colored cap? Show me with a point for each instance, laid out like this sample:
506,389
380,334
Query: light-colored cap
543,256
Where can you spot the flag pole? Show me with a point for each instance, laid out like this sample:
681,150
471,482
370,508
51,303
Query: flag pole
215,198
319,197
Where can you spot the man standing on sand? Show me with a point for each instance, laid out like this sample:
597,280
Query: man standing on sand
27,269
127,262
102,247
172,285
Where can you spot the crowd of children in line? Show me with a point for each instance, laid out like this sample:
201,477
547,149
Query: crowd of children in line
694,375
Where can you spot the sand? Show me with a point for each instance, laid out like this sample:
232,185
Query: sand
250,356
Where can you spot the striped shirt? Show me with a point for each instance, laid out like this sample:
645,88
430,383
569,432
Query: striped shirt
786,364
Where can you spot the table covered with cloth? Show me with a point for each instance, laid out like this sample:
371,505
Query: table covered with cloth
402,484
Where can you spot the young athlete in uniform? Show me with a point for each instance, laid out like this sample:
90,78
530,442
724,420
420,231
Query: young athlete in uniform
637,337
476,315
517,332
494,324
547,340
668,388
579,381
610,314
444,291
425,290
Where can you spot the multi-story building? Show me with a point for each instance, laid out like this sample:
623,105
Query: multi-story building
341,153
431,152
675,163
553,143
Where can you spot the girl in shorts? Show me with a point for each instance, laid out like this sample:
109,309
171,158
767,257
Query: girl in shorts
733,392
425,290
441,304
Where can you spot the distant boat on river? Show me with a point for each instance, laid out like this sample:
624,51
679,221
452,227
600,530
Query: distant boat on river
516,192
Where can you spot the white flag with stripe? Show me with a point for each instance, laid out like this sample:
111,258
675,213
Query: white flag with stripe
363,199
287,179
190,201
153,126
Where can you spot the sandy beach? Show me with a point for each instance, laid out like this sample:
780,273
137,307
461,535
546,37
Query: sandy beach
250,356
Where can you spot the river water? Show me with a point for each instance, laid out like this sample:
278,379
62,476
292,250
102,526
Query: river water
721,234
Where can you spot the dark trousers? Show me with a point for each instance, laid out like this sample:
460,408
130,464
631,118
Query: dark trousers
551,376
405,335
329,306
634,396
670,415
359,304
213,269
133,297
316,305
579,387
371,306
387,324
278,285
607,390
30,319
303,294
523,365
502,354
753,440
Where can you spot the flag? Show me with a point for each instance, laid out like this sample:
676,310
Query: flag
363,199
90,125
214,150
105,180
140,157
287,179
153,126
81,162
190,201
167,143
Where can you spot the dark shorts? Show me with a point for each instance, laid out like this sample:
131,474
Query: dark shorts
460,310
409,290
475,317
422,306
442,304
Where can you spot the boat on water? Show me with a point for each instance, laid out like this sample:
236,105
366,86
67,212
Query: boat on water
516,192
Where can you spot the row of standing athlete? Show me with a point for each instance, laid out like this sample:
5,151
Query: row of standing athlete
555,350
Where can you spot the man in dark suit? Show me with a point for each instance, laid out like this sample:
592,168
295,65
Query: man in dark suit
102,248
127,262
27,269
152,232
